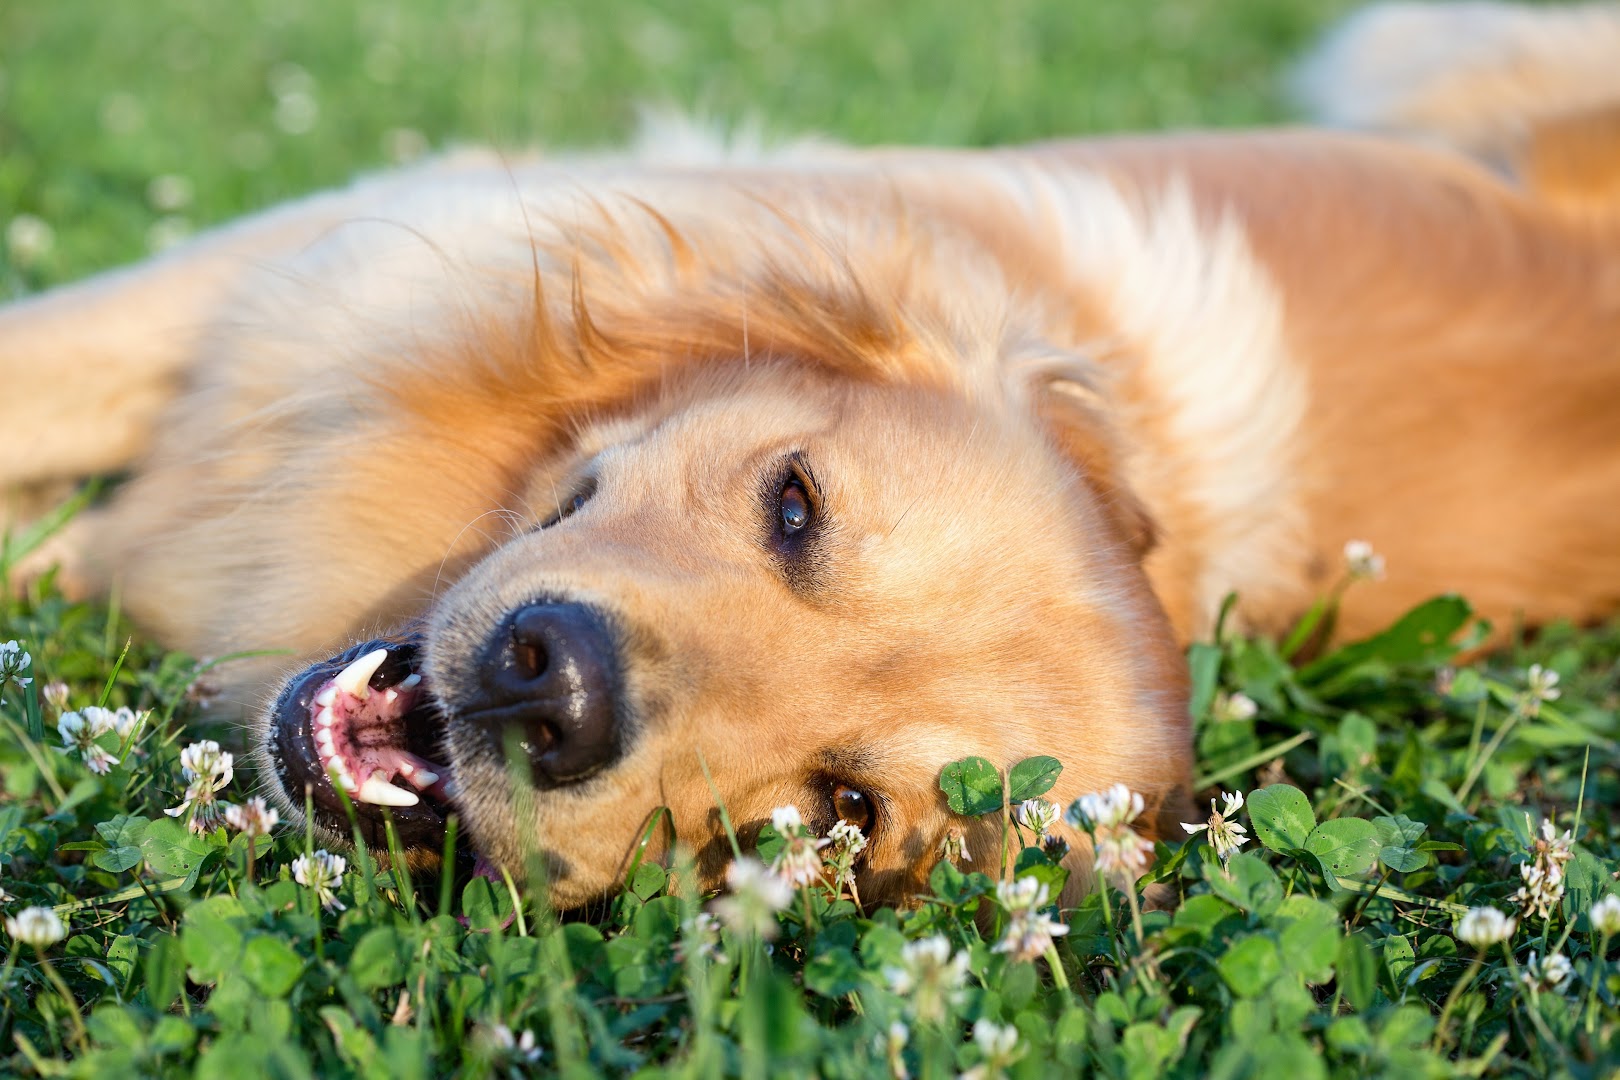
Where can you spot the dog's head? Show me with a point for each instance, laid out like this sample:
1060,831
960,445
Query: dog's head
755,584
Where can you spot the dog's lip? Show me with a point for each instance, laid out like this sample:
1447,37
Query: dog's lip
300,769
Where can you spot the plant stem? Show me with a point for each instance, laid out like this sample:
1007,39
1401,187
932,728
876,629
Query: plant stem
1451,998
81,1037
1136,918
1478,764
1059,976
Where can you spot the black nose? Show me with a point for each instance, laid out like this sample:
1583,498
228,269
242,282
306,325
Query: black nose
551,687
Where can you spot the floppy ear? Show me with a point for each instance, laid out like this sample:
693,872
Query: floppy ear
1076,420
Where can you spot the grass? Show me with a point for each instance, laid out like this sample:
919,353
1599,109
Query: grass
1387,789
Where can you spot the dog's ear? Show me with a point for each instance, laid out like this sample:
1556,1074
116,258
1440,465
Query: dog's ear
1076,420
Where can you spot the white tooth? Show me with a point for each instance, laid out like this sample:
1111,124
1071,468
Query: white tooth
324,740
380,791
327,696
390,696
352,680
406,767
425,778
411,681
346,780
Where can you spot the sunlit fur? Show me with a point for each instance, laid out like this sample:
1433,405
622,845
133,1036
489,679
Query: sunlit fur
1058,401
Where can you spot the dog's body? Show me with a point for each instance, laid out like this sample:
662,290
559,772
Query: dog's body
882,458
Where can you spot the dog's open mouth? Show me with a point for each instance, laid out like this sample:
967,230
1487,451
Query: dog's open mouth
366,721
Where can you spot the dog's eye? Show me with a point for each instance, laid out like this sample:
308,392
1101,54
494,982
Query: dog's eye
571,505
855,807
795,508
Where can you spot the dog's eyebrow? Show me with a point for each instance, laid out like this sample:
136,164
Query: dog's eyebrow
844,762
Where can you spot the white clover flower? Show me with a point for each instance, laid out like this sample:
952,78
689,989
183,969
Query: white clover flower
208,770
1029,931
37,926
1119,805
79,732
1122,854
786,820
894,1045
953,848
169,193
1225,834
322,872
700,937
844,844
1541,684
124,722
13,661
55,695
254,817
755,896
799,861
1542,890
930,976
1235,706
998,1048
1483,927
1543,875
516,1047
1038,816
29,239
1362,561
1605,916
847,836
1549,974
297,112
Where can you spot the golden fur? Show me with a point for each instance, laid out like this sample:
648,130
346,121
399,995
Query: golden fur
1061,401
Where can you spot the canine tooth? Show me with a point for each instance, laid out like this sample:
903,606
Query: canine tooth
380,791
411,681
352,680
327,696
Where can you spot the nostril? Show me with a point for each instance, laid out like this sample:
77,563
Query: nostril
551,690
530,630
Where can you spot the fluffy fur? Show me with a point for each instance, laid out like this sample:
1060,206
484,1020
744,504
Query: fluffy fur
1058,400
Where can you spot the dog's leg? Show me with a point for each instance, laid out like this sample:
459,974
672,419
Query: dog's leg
86,369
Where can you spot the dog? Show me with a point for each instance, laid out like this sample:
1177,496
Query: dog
577,488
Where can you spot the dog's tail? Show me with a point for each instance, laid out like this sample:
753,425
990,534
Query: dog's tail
1479,76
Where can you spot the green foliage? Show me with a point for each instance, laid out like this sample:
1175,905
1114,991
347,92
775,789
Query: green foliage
1326,943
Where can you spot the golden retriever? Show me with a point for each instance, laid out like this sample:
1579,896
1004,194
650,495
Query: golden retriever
791,477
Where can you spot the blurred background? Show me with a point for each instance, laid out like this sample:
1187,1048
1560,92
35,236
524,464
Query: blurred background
125,126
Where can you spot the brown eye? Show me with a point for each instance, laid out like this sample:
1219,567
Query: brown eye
795,508
854,807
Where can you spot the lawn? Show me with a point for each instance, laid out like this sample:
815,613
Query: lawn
1387,789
